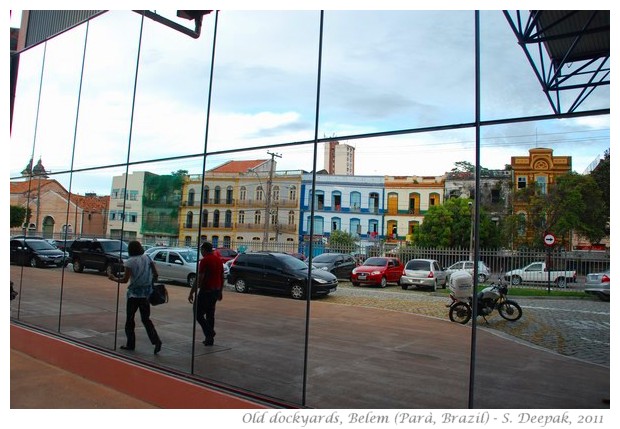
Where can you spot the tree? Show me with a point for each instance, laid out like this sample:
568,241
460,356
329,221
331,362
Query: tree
19,216
573,204
342,240
600,174
449,225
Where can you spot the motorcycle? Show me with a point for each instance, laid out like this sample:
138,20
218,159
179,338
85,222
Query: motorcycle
488,299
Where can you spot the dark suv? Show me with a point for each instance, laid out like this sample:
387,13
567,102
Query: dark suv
104,255
278,272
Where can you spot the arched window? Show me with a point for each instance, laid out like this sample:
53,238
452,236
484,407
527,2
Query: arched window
243,193
229,195
356,202
189,219
228,219
205,218
257,217
291,217
241,217
259,193
275,193
190,197
292,193
205,195
216,219
217,195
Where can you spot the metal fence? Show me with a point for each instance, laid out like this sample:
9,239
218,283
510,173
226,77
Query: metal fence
497,260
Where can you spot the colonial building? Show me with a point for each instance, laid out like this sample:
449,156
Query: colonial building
408,199
353,204
541,168
56,214
244,203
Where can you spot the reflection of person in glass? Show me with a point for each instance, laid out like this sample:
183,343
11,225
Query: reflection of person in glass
211,282
140,272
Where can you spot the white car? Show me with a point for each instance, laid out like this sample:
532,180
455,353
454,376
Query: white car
423,273
176,264
483,270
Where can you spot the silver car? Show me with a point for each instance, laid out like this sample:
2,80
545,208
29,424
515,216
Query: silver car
423,273
483,270
176,264
598,284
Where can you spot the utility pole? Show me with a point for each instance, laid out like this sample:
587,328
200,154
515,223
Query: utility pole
268,203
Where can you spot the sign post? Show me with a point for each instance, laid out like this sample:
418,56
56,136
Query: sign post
549,240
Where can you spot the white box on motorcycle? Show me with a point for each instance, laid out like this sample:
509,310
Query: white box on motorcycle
461,284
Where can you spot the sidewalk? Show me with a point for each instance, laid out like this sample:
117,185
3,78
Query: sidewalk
37,384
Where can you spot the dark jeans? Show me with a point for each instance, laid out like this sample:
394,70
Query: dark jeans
205,311
133,305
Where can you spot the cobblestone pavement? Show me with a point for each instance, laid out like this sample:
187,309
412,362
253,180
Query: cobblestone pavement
572,327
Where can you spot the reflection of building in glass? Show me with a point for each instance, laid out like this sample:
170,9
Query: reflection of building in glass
57,213
339,158
352,204
537,172
408,199
146,207
236,209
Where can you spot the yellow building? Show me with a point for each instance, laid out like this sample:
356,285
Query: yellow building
540,167
408,199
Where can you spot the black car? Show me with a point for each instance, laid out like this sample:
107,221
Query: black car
339,264
36,252
278,272
104,255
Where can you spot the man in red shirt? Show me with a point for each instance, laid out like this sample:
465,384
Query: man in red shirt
210,283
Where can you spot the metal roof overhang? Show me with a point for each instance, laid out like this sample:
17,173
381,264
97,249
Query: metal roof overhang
567,49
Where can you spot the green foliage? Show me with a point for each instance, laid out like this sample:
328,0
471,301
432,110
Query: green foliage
573,203
18,216
342,239
449,225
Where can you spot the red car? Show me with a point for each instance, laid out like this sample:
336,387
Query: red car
225,254
378,271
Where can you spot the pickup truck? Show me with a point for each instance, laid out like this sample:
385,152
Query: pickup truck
537,272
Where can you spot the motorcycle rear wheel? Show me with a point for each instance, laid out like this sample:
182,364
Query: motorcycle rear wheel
510,310
460,313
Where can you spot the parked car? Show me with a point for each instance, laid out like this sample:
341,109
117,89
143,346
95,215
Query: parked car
377,271
225,253
483,270
339,264
66,246
36,252
280,273
299,256
423,273
176,264
104,255
538,272
598,284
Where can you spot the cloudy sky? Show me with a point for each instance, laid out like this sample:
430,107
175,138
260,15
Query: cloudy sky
381,70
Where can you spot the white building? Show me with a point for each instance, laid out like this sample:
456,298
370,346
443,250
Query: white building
339,158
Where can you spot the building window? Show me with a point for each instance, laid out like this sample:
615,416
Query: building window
292,193
276,193
241,217
243,193
190,197
495,196
259,193
521,182
189,219
541,184
257,217
291,217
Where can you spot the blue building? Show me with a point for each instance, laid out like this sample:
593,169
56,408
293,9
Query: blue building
346,203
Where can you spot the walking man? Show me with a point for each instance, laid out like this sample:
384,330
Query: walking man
210,283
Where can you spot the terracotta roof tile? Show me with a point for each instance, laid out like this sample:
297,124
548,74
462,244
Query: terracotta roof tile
238,166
